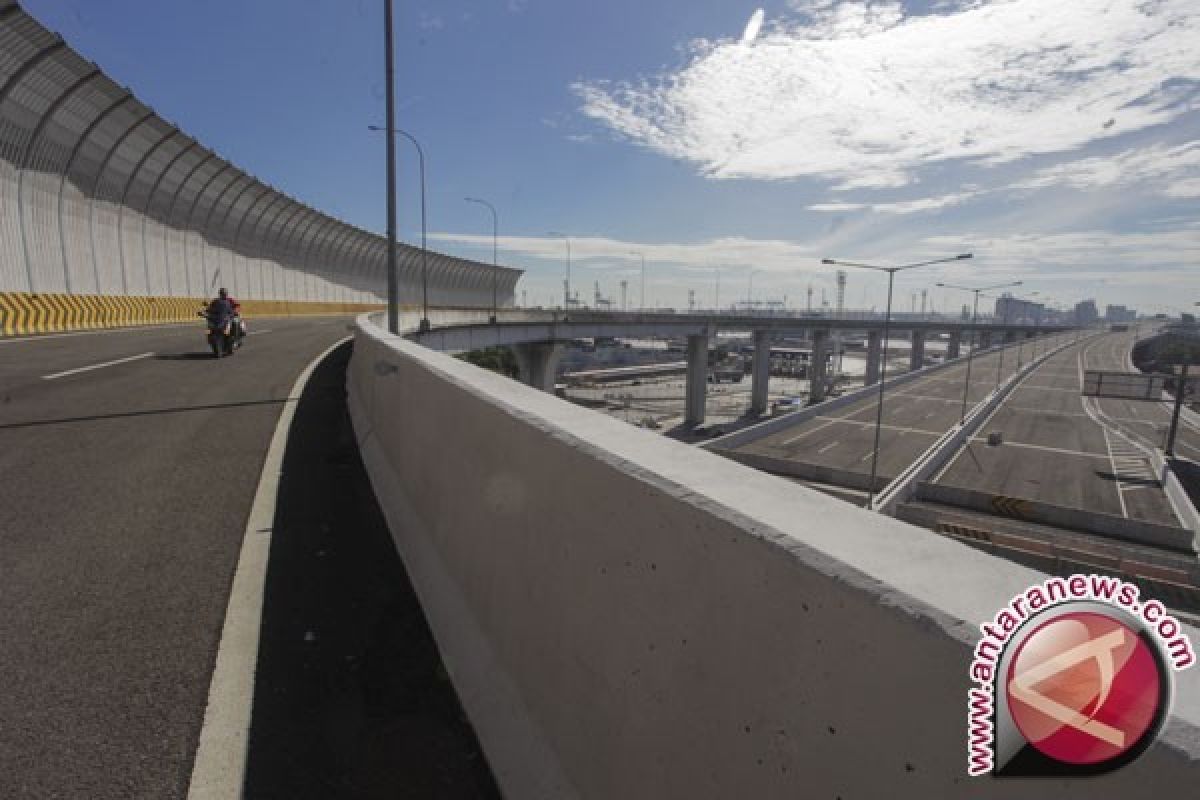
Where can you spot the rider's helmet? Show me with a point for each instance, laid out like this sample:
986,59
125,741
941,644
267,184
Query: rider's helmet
222,292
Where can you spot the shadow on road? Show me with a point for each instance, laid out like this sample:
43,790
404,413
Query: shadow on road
205,356
351,699
146,412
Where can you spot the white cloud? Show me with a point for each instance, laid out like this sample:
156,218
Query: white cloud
900,207
862,94
1174,171
765,254
753,27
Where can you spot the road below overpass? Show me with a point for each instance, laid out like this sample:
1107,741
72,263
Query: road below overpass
1067,450
128,463
836,447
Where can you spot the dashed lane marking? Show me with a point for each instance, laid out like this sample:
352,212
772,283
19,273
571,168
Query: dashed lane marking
91,367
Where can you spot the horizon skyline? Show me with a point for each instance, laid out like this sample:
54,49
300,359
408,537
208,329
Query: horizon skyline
1075,210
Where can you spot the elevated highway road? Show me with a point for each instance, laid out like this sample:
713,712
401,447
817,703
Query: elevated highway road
836,447
128,462
1067,450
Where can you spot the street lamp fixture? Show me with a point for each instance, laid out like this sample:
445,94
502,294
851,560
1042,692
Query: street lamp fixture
887,319
962,417
391,130
495,252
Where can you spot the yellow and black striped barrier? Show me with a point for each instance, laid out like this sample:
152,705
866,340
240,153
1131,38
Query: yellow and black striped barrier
22,313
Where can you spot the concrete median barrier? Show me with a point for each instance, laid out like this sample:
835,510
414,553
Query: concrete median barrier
1078,519
625,616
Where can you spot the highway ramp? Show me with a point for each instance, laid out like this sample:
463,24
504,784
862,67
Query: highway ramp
836,447
1059,451
128,461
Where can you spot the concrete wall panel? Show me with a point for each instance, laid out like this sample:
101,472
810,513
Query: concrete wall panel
626,616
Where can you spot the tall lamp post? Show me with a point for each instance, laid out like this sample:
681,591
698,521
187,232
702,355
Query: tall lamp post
887,319
391,130
962,417
643,257
567,283
393,278
495,251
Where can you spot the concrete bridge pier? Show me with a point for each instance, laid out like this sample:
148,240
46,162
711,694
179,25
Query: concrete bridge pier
537,363
954,348
874,357
697,379
916,357
817,372
761,376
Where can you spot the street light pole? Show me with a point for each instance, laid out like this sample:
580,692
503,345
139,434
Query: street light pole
643,257
887,319
393,278
495,251
962,417
391,131
567,284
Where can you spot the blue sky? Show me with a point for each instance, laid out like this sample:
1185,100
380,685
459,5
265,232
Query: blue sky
1058,141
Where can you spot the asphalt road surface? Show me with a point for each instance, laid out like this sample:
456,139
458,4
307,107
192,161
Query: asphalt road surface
1058,449
914,416
128,462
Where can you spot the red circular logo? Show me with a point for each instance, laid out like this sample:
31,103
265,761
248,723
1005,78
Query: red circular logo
1084,688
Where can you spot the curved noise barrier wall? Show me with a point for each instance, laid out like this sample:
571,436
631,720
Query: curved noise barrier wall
109,213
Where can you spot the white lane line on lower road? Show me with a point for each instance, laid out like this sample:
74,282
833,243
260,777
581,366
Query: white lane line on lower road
90,367
806,433
1045,448
219,771
255,333
829,446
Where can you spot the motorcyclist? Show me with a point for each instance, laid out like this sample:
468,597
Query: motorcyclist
224,308
221,310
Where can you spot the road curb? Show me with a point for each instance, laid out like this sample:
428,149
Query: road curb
219,769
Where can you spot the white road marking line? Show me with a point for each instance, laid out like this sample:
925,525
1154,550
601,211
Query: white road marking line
806,433
1049,388
1046,448
219,770
884,426
829,446
255,333
90,367
1120,495
867,456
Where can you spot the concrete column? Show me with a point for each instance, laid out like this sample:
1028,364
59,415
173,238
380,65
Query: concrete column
985,340
874,353
697,379
916,355
762,372
537,363
954,348
816,368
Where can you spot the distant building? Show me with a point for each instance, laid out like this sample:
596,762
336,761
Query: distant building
1086,313
1011,309
1119,314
